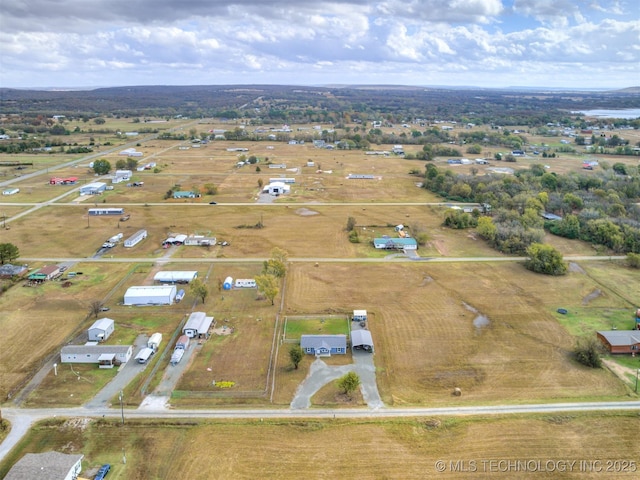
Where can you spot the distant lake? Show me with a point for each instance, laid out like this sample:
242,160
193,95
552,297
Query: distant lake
628,113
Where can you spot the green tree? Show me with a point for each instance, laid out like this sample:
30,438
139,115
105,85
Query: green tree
486,228
587,351
268,285
199,289
101,167
295,355
132,163
633,260
277,264
121,164
349,382
545,259
8,253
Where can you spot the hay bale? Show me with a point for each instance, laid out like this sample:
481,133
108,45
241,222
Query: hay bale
457,392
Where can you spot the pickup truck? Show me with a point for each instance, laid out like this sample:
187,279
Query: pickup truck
108,245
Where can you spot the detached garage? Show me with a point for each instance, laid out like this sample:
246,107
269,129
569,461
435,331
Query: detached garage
150,295
101,330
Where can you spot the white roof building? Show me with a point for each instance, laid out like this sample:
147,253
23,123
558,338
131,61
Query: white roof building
46,466
175,276
101,330
197,325
150,295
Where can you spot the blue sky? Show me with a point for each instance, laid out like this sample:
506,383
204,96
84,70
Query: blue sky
485,43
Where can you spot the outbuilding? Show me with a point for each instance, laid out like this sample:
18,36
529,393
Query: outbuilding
94,188
361,340
359,316
175,276
197,325
324,345
227,284
101,330
144,355
8,271
150,295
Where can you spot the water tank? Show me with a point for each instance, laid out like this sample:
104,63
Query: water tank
228,283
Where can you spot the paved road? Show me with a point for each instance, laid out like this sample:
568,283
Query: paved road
22,419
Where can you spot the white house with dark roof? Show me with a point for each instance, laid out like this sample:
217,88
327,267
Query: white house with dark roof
324,345
46,466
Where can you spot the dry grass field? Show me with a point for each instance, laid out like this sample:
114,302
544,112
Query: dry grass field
369,449
36,321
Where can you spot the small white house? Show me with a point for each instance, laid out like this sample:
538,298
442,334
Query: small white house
136,238
101,330
150,295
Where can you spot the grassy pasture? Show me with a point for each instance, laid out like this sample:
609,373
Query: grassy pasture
363,448
296,327
37,320
426,341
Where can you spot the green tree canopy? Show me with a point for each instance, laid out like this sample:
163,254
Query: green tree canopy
199,289
268,285
8,253
349,382
295,355
545,259
101,167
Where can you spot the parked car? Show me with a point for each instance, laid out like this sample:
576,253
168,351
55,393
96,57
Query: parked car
212,203
104,309
104,469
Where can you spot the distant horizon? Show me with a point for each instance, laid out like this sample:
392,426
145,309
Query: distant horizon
329,85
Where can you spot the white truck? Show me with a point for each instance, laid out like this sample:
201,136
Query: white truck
176,356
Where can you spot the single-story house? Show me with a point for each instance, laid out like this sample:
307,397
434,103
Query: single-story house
197,325
47,466
101,330
94,188
620,341
150,295
185,194
105,355
396,243
7,270
200,240
324,345
48,272
121,176
361,340
175,276
277,188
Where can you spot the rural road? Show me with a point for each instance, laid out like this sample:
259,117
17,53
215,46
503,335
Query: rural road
22,419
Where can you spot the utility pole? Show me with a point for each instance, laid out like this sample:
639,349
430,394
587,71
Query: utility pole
121,407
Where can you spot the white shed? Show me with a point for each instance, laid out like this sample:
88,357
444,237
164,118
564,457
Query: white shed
227,284
150,295
101,330
93,188
359,316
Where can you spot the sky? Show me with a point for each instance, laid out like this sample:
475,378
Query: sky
581,44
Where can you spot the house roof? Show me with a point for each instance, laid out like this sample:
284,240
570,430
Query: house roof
43,466
95,349
102,324
8,269
318,341
395,241
49,269
621,338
